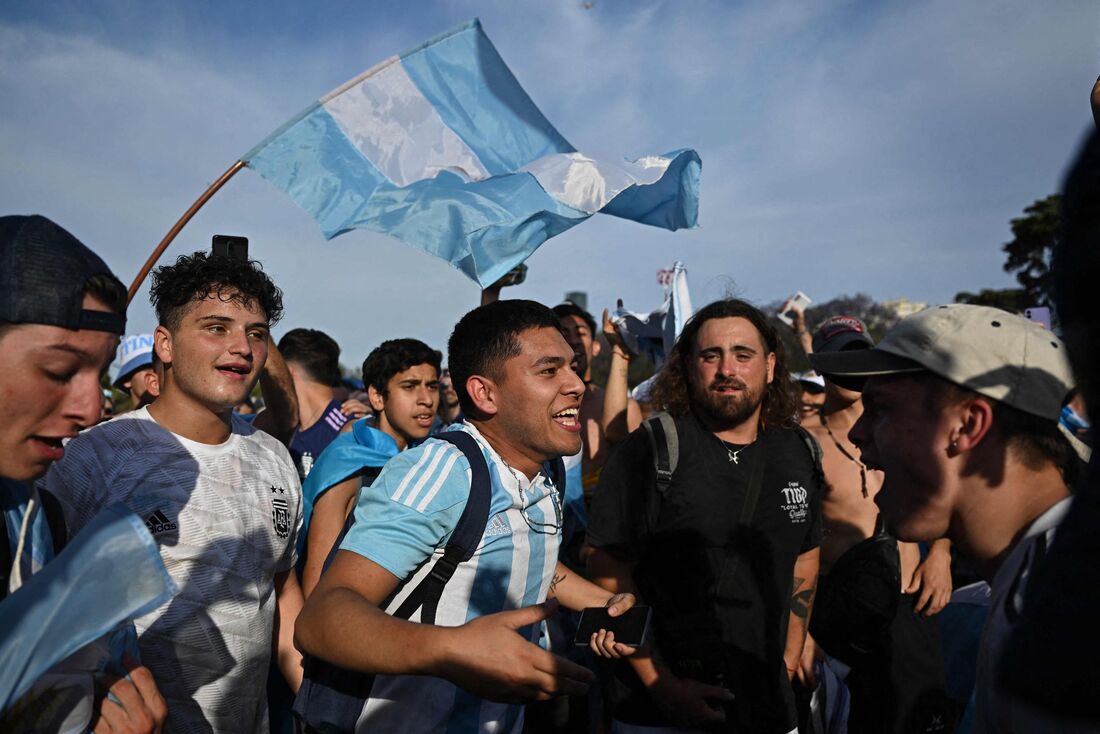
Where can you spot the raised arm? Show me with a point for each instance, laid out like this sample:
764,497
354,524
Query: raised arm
621,415
280,414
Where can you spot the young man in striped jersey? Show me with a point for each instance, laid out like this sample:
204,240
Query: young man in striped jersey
471,669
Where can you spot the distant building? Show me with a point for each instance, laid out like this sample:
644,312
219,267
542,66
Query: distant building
904,307
580,298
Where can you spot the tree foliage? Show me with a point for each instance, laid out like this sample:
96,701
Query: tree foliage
1014,300
877,316
1035,236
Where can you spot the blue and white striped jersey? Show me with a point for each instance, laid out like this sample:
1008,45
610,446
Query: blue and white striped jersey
406,517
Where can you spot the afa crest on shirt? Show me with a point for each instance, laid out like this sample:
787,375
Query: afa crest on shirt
280,513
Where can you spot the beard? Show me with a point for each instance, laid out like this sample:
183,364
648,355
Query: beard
726,411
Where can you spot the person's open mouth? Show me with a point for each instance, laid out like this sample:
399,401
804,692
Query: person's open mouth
236,370
569,419
50,448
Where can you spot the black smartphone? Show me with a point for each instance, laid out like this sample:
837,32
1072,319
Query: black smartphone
230,246
630,627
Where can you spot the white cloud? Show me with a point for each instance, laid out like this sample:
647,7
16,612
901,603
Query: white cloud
845,147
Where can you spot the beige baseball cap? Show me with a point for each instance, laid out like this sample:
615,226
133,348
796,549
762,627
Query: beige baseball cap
992,352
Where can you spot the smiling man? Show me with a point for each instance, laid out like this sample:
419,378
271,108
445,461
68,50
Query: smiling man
469,670
960,410
220,497
723,544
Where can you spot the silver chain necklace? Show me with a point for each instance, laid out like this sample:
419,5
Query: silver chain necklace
734,454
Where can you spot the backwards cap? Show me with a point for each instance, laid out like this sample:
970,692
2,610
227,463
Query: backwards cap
838,333
992,352
43,274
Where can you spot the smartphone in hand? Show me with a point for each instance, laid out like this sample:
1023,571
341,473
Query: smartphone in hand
630,627
800,299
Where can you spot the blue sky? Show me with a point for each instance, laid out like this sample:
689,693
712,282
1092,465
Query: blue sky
846,146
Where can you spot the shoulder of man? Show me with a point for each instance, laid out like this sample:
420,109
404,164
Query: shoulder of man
801,446
432,476
263,440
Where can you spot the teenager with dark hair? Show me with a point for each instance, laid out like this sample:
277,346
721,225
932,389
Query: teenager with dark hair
62,312
221,499
721,541
513,375
313,359
402,381
960,410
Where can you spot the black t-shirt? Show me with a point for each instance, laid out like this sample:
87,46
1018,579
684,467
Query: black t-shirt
720,591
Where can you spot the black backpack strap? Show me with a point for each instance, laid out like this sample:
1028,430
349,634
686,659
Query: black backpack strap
665,442
756,481
558,476
815,453
465,538
331,698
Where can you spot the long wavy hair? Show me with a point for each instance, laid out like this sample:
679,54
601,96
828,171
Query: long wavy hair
672,393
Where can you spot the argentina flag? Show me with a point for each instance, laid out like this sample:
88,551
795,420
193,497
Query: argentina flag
442,148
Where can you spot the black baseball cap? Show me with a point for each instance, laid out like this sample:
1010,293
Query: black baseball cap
44,271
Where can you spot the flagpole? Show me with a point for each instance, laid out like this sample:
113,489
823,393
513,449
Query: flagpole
180,225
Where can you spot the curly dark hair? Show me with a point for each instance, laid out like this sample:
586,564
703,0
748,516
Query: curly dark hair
485,338
397,355
202,275
672,393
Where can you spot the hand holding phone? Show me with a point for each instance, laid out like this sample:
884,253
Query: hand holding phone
798,301
630,627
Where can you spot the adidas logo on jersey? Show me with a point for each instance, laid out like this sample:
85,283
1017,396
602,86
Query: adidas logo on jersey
158,522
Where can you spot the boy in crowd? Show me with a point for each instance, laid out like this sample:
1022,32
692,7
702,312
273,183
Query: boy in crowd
61,314
960,410
220,497
402,380
313,360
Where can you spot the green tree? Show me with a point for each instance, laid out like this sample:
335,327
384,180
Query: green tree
1034,238
878,318
1014,300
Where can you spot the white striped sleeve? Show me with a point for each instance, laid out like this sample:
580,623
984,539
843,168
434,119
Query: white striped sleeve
411,509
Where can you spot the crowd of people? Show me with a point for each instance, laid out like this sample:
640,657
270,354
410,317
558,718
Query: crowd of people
856,549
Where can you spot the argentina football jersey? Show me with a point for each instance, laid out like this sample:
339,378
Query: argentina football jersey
404,519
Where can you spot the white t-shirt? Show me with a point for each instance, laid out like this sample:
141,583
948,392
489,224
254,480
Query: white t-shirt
225,518
996,712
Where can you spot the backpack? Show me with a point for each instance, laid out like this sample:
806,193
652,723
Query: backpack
331,699
663,438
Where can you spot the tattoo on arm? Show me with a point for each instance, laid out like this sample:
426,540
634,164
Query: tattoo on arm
802,600
554,582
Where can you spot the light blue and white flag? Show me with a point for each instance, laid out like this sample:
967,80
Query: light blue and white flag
442,148
108,574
